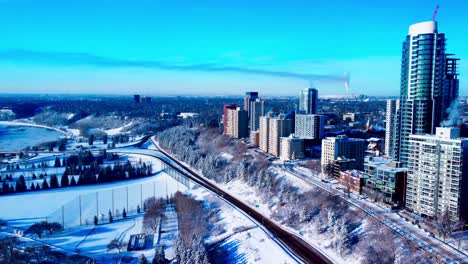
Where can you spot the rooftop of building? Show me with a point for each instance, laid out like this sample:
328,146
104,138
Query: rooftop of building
292,137
443,133
427,27
344,138
355,173
385,164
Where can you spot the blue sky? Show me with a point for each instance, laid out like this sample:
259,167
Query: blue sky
214,47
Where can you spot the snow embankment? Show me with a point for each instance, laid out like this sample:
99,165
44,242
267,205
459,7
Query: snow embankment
239,235
117,130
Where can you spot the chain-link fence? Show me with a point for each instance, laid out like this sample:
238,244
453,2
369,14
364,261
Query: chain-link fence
113,201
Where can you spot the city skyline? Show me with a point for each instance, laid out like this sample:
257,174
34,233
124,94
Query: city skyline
212,48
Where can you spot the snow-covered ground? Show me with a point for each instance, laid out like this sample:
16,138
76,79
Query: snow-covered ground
92,241
249,195
241,237
64,205
118,130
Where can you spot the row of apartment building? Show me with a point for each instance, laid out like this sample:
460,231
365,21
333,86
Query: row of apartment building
282,135
433,182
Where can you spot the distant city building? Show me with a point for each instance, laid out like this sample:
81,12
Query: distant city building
291,148
264,132
136,98
188,115
255,138
308,102
429,84
146,99
257,109
387,177
248,99
309,126
278,127
345,148
392,129
438,174
237,123
349,117
225,116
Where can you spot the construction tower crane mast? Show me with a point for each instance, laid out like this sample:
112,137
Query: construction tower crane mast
435,13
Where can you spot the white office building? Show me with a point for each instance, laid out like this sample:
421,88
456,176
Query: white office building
437,174
308,126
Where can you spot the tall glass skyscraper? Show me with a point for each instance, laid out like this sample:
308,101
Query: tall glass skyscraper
429,84
309,101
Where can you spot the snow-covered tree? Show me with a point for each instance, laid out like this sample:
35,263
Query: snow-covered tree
159,255
142,259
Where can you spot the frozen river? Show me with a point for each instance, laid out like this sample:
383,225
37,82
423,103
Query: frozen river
17,137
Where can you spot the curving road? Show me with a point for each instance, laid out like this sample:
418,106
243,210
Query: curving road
297,245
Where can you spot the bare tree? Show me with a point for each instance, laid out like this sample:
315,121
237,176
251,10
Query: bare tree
445,226
328,169
313,165
153,214
116,244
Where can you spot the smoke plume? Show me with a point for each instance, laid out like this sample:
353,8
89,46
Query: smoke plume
77,59
453,115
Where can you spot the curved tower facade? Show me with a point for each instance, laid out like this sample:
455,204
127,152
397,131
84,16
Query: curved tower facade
429,84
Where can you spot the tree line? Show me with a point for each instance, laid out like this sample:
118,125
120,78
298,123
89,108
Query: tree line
75,175
192,220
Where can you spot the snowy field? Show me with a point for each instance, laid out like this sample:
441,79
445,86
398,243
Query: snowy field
64,205
235,233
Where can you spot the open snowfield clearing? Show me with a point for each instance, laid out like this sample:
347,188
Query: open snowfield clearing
92,241
118,130
73,206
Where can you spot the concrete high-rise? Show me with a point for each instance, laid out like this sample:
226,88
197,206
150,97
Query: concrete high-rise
309,126
291,148
256,110
344,148
248,99
225,116
392,129
278,127
236,126
438,174
308,102
429,84
264,132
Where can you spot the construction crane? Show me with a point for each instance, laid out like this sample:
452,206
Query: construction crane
435,13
